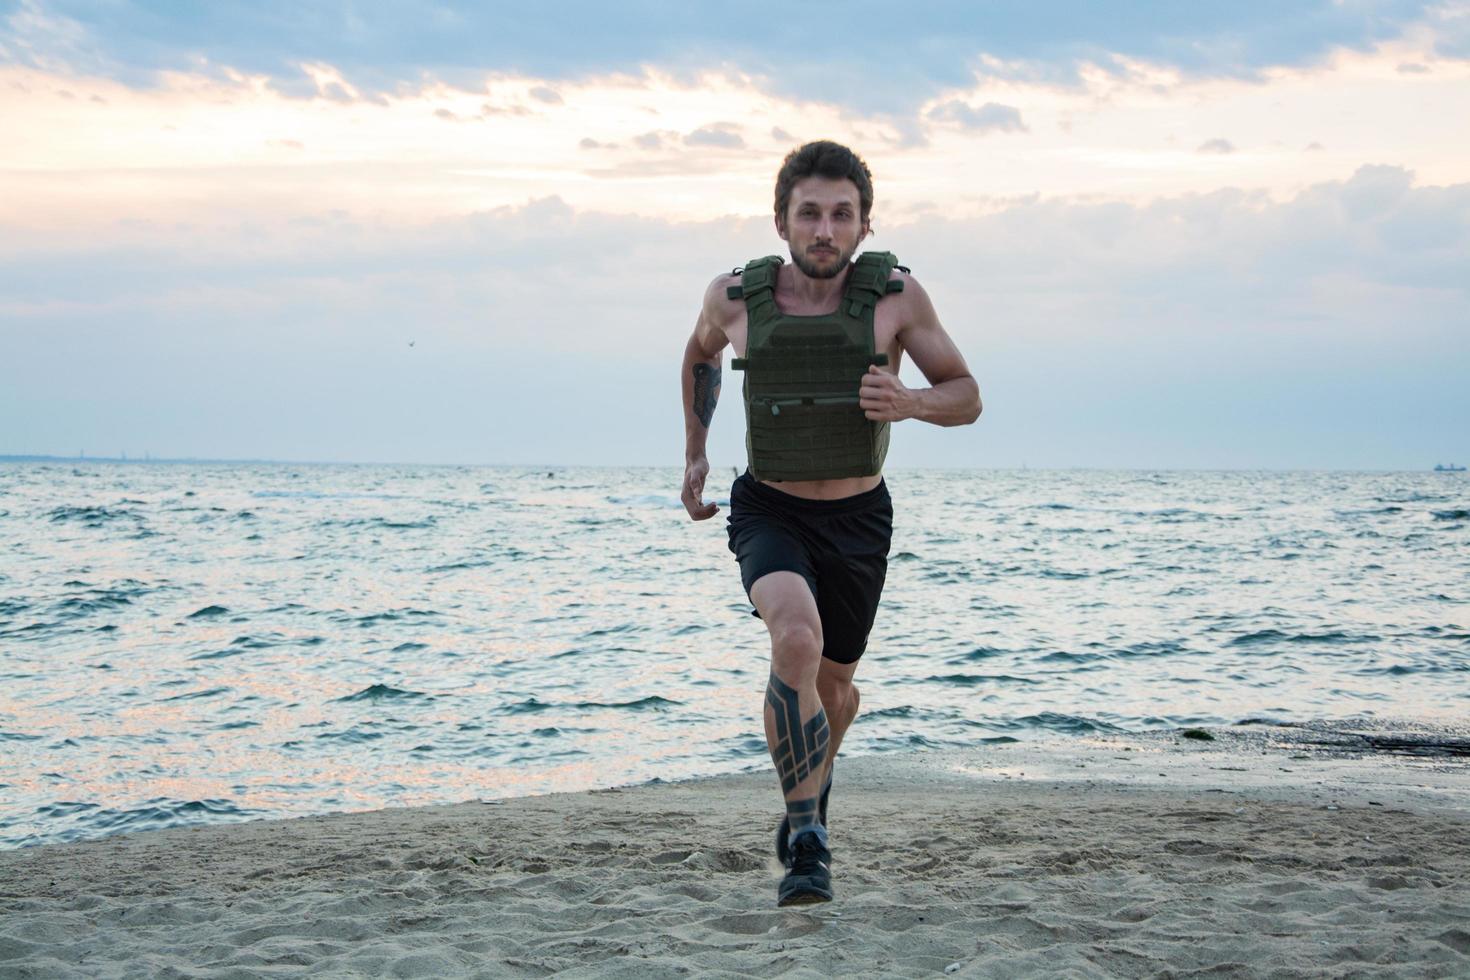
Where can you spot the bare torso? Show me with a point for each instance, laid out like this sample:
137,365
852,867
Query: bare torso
887,320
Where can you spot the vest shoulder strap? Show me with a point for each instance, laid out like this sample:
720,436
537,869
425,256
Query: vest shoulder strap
757,287
868,282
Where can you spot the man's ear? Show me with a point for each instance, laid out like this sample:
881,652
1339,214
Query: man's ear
781,226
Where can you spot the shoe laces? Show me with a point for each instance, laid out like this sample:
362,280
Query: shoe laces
807,853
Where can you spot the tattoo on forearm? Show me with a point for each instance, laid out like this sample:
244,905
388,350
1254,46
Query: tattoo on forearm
799,748
706,380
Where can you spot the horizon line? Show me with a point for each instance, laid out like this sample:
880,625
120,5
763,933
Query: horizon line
176,460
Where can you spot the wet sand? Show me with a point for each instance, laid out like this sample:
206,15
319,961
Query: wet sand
1263,852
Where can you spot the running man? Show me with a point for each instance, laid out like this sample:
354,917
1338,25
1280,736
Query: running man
820,340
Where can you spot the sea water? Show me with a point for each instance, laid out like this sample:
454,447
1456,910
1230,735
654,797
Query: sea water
214,642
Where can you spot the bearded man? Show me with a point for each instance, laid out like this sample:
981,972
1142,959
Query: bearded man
820,340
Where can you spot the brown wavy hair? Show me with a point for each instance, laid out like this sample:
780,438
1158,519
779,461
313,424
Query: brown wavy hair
824,158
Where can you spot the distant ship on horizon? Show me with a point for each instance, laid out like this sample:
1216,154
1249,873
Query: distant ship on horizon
1452,468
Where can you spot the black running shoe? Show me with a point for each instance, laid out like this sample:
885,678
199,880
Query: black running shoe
809,876
783,829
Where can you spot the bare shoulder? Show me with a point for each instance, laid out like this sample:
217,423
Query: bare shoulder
914,302
718,306
717,314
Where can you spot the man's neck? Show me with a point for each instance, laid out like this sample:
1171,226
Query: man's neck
821,294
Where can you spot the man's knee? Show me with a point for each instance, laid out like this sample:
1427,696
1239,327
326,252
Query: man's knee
796,649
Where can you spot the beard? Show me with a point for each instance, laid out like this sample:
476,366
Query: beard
814,271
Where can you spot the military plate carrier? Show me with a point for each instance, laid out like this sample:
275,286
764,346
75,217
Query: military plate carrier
803,374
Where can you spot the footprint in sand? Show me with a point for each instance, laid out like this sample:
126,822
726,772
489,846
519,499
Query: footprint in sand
777,925
722,860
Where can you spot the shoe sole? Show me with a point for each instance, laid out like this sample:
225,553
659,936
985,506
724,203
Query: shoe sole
804,898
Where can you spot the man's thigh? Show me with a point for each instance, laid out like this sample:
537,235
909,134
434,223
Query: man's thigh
847,604
784,600
851,570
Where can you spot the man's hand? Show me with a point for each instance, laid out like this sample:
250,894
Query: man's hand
884,398
693,496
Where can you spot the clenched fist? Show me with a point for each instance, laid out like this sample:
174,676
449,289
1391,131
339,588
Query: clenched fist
884,398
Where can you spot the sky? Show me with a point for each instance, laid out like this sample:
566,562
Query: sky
1163,235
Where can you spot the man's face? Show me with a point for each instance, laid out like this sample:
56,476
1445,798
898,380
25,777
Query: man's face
823,225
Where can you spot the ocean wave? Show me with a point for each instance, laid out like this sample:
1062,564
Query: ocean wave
1058,722
977,654
82,820
226,653
459,566
199,695
97,600
1260,637
1160,648
1069,657
88,516
971,680
534,705
384,692
392,616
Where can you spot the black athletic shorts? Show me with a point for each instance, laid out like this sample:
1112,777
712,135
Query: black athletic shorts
839,546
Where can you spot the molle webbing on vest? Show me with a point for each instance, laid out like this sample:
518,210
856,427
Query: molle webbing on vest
803,373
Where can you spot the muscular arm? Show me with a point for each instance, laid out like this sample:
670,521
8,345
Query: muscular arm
954,396
703,357
700,383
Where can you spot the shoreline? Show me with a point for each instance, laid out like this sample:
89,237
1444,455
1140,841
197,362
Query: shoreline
1142,855
1426,739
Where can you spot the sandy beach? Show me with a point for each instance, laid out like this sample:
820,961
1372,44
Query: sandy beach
1265,852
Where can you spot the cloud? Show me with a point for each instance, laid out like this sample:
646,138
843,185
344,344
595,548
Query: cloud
1450,25
781,136
504,110
651,140
543,93
1375,191
990,117
924,52
1221,146
1314,147
1214,327
681,165
720,134
588,143
1413,68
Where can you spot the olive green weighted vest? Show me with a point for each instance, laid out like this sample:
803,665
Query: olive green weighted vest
803,373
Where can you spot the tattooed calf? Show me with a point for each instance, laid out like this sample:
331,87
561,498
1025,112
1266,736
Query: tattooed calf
799,749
